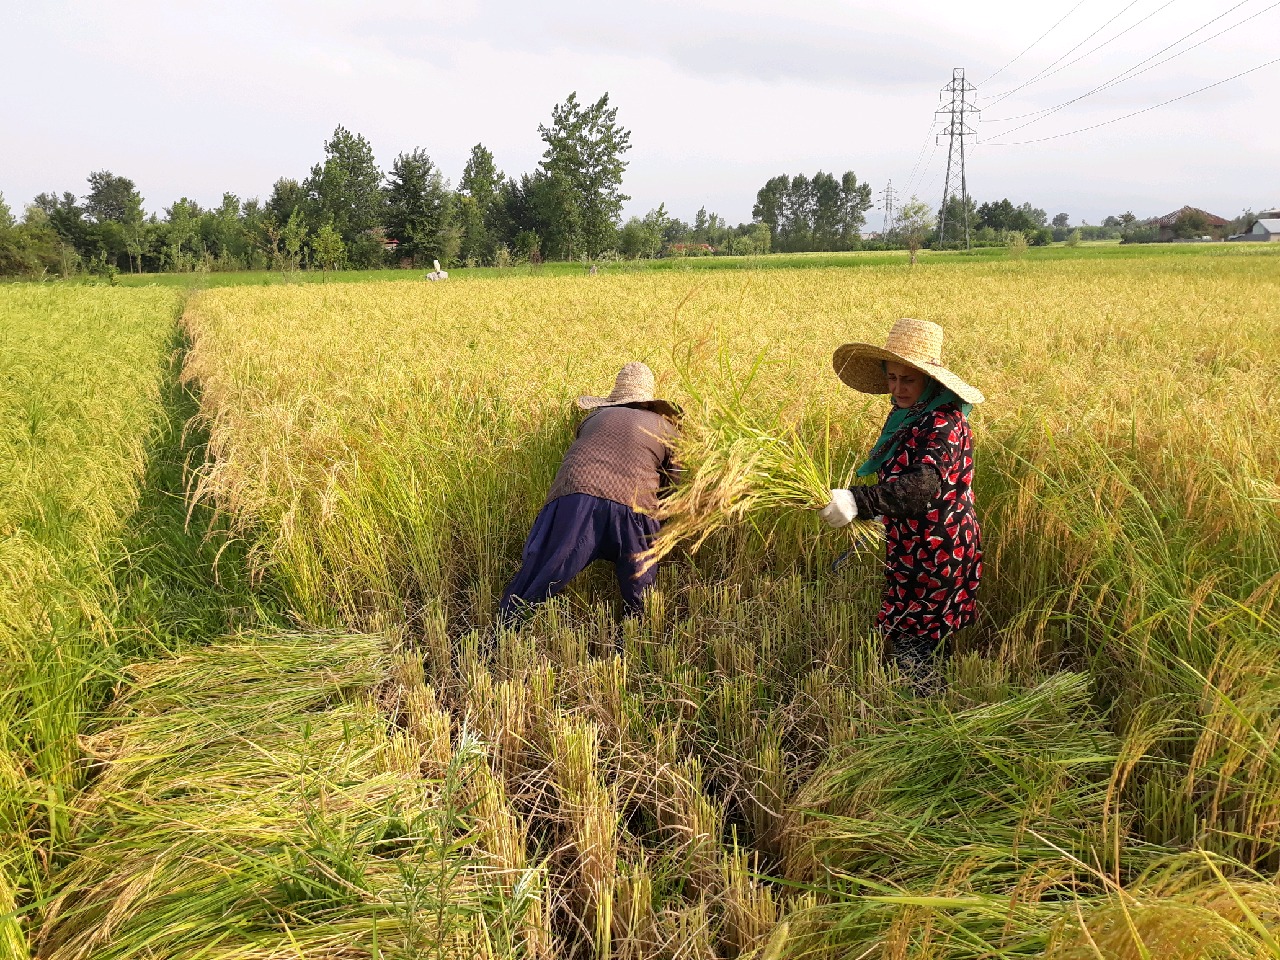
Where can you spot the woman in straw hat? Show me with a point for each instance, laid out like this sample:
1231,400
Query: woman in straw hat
598,505
924,463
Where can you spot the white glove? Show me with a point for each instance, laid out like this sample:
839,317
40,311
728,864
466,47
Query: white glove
841,510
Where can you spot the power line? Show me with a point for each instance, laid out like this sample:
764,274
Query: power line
1038,115
932,180
1042,73
1033,43
1087,53
923,145
1058,136
928,165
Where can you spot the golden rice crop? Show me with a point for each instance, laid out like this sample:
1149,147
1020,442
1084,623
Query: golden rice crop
743,462
387,447
739,773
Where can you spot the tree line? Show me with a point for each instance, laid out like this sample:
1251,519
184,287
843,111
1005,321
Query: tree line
348,213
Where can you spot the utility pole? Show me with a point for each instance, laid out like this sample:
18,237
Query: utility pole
886,200
955,129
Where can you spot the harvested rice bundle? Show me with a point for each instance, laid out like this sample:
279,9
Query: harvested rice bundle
741,465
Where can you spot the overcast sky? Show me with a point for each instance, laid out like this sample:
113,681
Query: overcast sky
197,99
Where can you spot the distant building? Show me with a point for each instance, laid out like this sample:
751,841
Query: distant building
1266,229
691,249
1213,225
389,244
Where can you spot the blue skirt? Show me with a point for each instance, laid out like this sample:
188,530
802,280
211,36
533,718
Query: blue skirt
569,533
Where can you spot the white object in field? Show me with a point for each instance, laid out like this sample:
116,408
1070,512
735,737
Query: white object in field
841,510
437,273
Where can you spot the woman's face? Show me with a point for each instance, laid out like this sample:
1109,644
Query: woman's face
905,383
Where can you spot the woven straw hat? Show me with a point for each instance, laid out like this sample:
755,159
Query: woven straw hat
634,385
917,343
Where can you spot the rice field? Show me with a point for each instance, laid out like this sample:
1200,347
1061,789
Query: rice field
79,384
350,760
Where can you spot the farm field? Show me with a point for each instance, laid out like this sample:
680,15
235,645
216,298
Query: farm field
323,748
1102,250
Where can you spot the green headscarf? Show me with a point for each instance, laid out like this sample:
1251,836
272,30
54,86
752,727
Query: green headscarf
901,420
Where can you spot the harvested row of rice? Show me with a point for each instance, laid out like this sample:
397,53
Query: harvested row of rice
252,800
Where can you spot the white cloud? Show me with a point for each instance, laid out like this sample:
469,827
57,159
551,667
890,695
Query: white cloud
719,95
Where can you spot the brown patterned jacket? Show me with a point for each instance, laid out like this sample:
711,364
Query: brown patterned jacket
622,454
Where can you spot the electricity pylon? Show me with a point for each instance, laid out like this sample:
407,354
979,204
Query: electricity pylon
955,129
886,200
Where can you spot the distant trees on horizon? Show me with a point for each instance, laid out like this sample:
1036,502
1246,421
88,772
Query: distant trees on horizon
347,212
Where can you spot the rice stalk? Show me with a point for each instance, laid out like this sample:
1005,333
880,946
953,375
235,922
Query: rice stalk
739,465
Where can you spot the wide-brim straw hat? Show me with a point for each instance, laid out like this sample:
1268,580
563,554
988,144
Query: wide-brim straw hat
916,343
634,384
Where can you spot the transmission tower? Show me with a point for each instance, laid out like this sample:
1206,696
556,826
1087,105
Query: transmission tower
955,129
887,200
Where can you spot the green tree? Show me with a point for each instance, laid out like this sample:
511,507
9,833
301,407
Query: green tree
584,155
771,204
183,220
480,177
327,248
1062,220
1133,230
855,201
478,222
419,210
643,238
750,239
287,195
115,208
32,247
1191,223
556,207
826,210
223,232
1032,218
474,245
347,188
913,224
112,198
999,216
956,211
796,230
709,228
12,261
66,217
293,237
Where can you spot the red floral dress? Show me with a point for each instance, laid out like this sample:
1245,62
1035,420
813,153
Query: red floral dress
933,564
